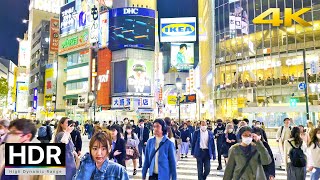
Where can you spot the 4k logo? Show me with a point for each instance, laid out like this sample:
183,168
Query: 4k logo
288,17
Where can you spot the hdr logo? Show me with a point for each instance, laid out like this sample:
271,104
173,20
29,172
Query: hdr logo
131,11
35,159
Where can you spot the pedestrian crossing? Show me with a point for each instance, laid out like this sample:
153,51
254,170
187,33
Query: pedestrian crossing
187,170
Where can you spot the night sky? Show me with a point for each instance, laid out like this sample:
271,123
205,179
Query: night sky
12,12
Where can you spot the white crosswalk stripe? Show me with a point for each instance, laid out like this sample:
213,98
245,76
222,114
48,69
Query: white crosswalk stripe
187,170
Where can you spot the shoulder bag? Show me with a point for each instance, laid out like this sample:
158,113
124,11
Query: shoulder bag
152,156
246,165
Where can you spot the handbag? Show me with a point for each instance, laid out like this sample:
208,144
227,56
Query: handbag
246,165
129,152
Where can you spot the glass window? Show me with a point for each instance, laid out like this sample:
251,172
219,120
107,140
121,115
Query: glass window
297,5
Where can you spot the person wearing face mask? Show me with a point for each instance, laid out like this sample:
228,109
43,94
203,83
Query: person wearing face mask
270,169
262,132
63,135
203,149
230,139
219,135
246,159
132,142
143,135
21,131
313,152
96,165
4,125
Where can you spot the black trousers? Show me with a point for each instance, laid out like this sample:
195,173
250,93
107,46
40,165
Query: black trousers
153,177
219,149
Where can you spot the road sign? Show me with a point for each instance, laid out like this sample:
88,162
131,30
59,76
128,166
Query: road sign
314,66
302,86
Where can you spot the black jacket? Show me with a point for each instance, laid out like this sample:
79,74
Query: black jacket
146,133
76,139
269,170
121,147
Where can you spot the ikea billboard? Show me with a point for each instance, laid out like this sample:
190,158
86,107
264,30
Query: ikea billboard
178,29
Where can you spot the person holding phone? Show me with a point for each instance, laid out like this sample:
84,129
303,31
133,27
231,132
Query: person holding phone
62,135
246,159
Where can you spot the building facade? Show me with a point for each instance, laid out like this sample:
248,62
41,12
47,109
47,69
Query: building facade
257,68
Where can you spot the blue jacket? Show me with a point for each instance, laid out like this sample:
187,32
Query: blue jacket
195,150
185,134
109,170
166,160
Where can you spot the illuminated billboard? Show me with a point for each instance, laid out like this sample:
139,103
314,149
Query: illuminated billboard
139,76
182,56
238,19
22,97
24,53
104,30
132,28
104,77
178,29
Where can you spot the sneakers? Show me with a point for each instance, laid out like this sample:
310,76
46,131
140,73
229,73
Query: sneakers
135,172
140,167
185,156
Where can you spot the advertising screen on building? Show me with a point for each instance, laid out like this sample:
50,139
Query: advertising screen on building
104,77
178,29
119,77
238,19
104,30
22,97
74,42
182,56
67,21
139,76
50,83
54,35
24,53
132,28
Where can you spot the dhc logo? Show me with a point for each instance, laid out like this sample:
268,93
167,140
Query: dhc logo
178,29
130,10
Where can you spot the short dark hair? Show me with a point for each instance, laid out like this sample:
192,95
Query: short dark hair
183,45
235,121
246,120
24,125
168,121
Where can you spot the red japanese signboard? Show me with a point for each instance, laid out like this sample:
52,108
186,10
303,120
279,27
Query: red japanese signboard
54,35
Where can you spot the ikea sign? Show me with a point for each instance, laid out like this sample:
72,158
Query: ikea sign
178,29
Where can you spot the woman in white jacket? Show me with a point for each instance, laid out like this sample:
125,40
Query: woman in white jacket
314,155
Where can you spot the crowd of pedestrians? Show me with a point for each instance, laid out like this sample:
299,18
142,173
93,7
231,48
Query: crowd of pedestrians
156,147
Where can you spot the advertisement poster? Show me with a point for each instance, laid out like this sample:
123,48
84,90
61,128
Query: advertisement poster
54,35
104,77
139,76
50,84
22,97
24,53
67,19
74,42
132,28
178,29
104,30
238,18
182,56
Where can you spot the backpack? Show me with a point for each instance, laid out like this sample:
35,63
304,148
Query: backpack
297,156
42,131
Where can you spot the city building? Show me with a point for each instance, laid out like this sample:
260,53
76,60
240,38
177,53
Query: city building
39,60
257,68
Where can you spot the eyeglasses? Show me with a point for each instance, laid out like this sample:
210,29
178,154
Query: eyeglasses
15,133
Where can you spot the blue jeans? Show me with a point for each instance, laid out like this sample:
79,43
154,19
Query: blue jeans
203,162
316,174
142,148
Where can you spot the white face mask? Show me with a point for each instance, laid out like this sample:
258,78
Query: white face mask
318,136
203,128
1,131
230,130
247,140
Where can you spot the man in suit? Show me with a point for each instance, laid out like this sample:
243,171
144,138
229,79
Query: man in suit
143,134
203,149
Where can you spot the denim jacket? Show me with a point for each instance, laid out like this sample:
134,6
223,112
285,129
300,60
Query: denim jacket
166,160
109,170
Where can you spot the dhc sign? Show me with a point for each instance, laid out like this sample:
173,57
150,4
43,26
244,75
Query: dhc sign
131,11
178,29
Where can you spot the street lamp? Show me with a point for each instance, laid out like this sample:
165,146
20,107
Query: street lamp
25,21
18,39
92,101
179,87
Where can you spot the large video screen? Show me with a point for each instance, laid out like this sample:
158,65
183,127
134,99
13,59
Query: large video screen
139,76
182,56
132,28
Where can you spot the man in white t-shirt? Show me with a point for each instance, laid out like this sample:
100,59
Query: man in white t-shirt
283,133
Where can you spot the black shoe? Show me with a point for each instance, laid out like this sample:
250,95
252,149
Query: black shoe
140,167
185,156
134,172
219,167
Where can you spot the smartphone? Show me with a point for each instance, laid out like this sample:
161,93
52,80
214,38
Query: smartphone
70,122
